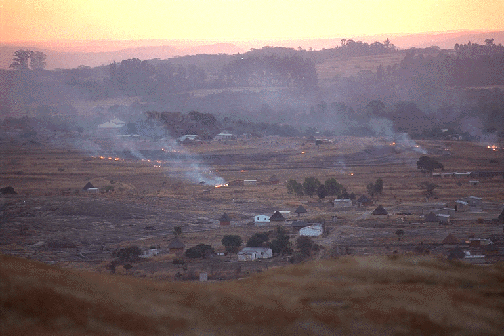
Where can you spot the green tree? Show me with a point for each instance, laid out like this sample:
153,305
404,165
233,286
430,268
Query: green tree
232,243
399,233
375,188
177,230
258,240
130,253
332,186
429,187
281,243
21,60
199,251
321,191
37,60
305,245
310,185
428,164
294,187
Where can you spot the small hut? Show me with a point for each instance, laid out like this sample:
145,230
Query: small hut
277,217
225,220
176,246
450,240
431,218
300,209
380,211
88,185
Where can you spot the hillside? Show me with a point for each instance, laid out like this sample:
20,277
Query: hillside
351,295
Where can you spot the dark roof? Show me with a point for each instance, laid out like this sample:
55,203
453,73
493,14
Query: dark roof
225,218
431,217
7,191
300,209
380,210
176,244
501,216
450,240
299,224
87,186
277,216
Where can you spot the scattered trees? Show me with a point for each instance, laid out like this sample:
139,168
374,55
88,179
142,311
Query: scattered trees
232,243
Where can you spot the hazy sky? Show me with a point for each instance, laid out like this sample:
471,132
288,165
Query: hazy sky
50,20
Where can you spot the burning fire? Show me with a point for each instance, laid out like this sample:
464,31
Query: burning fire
492,147
221,185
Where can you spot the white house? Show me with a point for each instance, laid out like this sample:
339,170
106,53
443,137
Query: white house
253,253
224,136
188,137
149,253
474,202
312,230
261,220
249,182
343,203
444,219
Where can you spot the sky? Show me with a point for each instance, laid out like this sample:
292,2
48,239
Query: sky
235,20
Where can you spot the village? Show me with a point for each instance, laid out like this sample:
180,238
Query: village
117,212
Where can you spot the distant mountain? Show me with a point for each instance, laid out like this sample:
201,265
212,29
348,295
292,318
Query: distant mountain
68,54
57,59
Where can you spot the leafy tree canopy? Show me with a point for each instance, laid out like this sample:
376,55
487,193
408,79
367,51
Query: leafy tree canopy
232,242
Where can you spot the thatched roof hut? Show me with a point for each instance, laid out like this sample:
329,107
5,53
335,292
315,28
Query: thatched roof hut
450,240
176,246
225,220
277,217
88,186
300,209
380,211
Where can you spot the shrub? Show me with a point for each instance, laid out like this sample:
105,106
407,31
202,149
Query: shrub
130,253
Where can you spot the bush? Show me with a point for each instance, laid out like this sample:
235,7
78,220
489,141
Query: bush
199,251
232,243
130,253
258,240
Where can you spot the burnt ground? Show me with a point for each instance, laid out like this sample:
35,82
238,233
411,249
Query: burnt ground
53,220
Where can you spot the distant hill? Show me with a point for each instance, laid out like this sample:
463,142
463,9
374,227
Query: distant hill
59,59
345,296
69,54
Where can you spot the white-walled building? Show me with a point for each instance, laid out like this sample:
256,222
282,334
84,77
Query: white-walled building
261,220
312,230
253,253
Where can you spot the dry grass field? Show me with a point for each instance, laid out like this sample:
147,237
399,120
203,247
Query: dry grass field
346,296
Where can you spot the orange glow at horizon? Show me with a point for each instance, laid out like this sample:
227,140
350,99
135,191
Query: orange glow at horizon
221,20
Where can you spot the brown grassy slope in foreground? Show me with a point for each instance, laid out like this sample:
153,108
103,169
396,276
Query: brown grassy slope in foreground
353,295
